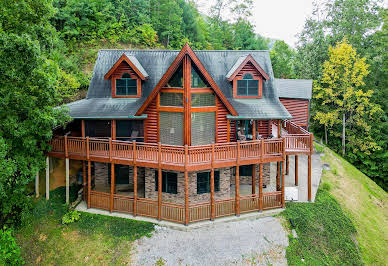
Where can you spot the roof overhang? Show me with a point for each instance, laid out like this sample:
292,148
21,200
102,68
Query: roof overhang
144,116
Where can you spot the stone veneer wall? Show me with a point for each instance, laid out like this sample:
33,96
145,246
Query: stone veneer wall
247,180
194,198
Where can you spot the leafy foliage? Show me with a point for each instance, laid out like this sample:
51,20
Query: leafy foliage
71,217
325,233
9,250
282,57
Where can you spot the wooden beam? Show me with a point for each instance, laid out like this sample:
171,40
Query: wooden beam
159,181
89,182
254,129
84,184
212,202
134,179
287,164
37,184
237,186
83,128
228,130
279,128
277,176
67,166
253,179
186,187
47,178
113,128
261,187
112,186
296,170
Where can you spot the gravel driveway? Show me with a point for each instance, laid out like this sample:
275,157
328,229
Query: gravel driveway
247,242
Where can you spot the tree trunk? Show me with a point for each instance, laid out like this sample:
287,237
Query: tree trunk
326,135
343,134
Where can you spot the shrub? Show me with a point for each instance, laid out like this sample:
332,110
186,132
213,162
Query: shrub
71,217
9,250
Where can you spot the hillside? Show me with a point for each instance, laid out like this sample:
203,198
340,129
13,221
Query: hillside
347,224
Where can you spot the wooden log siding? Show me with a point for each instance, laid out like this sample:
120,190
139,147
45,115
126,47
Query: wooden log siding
151,123
221,123
298,108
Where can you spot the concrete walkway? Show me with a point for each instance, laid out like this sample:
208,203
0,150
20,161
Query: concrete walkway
316,172
249,242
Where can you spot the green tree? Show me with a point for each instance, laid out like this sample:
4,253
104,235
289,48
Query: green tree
29,93
341,89
282,57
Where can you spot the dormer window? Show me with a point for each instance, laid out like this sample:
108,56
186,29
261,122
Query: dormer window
248,86
126,86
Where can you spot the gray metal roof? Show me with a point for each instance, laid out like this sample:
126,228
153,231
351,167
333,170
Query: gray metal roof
294,88
236,65
156,62
137,64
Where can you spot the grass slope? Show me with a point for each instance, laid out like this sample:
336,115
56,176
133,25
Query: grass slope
365,203
93,240
347,224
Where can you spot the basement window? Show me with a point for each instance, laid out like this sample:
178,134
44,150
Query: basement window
203,182
169,182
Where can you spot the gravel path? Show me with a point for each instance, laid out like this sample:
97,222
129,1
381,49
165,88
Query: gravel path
247,242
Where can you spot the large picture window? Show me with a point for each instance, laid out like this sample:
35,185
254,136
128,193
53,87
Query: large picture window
203,182
126,86
169,182
203,99
247,86
203,128
171,128
130,130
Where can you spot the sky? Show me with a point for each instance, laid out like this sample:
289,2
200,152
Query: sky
276,19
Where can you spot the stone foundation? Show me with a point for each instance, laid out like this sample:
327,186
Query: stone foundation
247,180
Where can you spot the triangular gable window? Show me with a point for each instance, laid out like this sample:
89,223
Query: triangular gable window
197,81
176,80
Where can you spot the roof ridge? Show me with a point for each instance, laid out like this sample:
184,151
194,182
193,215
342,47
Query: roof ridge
167,50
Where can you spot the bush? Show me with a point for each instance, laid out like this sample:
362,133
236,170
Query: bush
71,217
9,250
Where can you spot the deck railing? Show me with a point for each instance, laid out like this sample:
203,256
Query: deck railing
297,139
255,150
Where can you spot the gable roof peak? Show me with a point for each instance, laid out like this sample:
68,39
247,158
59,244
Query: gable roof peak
132,61
241,62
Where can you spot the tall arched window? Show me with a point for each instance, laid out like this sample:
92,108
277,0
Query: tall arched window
126,85
247,86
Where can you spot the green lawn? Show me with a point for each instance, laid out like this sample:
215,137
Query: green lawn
348,223
94,239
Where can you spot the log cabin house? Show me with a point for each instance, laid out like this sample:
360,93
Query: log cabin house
174,135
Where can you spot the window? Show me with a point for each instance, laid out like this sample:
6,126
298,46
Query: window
247,86
130,130
98,128
203,128
176,80
121,174
196,79
169,182
171,99
171,128
203,99
126,85
203,182
246,170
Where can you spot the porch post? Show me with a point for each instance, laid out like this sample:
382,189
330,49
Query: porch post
287,164
89,171
237,186
253,179
261,187
212,205
309,178
67,180
37,184
84,179
279,128
228,130
134,180
254,129
112,186
283,166
277,176
159,181
186,188
296,170
113,129
47,178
